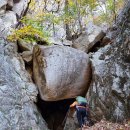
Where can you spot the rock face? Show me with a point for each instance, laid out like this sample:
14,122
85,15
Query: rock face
109,92
87,40
17,6
10,10
60,72
17,93
71,121
7,21
20,6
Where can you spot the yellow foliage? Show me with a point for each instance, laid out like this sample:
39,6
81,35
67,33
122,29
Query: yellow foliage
32,5
71,3
26,32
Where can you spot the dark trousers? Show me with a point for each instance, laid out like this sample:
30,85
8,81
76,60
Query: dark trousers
81,114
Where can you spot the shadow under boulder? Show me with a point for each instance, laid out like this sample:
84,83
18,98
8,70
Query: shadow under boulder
54,112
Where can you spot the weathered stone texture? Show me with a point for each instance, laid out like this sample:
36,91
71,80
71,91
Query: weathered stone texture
10,12
90,38
61,72
17,93
109,92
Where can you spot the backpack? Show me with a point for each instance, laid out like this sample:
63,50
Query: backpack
80,100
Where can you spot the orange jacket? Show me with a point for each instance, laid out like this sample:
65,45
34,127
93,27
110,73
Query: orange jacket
76,104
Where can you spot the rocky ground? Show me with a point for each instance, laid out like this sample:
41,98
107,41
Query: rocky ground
105,125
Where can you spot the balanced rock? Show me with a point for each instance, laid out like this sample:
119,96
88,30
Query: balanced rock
60,72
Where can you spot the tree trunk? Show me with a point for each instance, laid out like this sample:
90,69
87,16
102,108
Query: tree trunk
68,32
79,16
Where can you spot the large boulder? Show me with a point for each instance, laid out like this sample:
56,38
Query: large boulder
17,93
60,72
86,41
109,92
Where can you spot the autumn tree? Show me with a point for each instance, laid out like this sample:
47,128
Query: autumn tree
44,16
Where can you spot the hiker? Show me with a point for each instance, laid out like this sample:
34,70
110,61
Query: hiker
82,110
